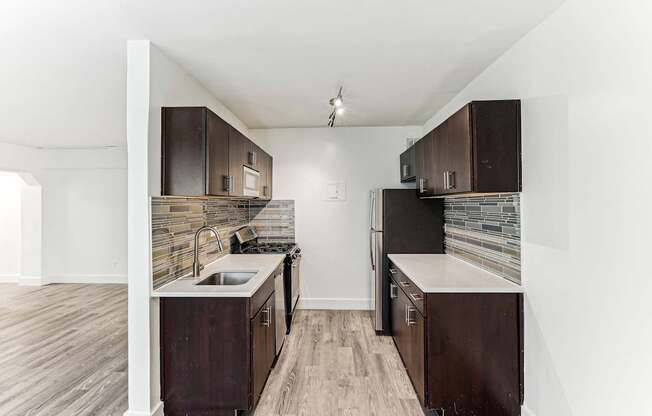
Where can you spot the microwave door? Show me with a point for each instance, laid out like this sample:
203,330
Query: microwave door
250,182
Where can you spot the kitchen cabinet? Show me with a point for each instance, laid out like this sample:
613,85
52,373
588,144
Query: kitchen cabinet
463,352
202,155
239,147
265,165
424,166
408,161
476,150
263,346
408,333
216,353
194,152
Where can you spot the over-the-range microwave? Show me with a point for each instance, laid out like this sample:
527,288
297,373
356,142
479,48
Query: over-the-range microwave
250,182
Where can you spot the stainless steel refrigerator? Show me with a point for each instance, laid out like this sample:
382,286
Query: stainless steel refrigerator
400,223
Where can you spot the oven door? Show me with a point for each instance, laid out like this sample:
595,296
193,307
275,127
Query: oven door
250,182
296,271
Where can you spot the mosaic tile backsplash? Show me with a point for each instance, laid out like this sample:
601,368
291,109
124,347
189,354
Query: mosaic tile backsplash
486,231
175,221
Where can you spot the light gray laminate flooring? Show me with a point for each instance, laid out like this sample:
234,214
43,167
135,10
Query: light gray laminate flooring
334,364
63,350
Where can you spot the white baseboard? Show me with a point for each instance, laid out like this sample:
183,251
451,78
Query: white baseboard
30,281
9,278
157,410
525,411
345,304
88,279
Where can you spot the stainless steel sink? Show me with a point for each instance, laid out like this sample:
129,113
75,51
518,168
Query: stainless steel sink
227,279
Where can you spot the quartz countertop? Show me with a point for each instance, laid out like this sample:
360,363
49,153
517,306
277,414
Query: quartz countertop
441,273
263,264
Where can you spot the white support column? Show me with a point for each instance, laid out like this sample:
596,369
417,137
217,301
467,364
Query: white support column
139,266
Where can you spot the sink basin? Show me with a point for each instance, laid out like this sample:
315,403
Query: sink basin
227,279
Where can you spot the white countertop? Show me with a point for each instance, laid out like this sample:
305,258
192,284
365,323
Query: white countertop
263,264
441,273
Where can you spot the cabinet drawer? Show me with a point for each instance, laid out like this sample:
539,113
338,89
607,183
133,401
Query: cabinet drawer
414,294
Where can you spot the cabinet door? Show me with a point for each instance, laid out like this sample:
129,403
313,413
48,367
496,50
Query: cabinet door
424,163
183,147
262,347
399,327
457,152
255,156
416,366
264,163
238,145
408,165
217,160
439,158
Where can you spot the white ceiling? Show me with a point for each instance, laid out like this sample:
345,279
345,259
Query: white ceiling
273,63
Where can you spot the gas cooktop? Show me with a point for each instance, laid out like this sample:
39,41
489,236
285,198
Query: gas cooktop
269,248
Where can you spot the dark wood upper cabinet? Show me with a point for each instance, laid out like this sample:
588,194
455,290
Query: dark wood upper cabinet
183,151
238,148
408,162
476,150
424,166
217,161
265,166
202,155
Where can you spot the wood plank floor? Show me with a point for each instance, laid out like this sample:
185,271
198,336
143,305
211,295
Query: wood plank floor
63,350
334,364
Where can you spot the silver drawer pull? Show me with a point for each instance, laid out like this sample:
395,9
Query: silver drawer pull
268,316
408,315
416,297
404,284
393,271
393,291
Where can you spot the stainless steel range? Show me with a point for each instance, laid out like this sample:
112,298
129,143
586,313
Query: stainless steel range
247,242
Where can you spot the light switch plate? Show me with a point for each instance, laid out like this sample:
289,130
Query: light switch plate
335,191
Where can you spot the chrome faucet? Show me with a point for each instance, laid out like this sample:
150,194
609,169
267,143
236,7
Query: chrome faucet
196,267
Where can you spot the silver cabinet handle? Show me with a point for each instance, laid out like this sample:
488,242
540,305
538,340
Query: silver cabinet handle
268,316
416,297
393,291
421,185
228,183
393,271
404,283
408,315
449,180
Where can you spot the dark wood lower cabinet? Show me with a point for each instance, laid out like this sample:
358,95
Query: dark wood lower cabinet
215,356
464,355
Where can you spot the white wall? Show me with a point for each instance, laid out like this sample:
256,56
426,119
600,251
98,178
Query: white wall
84,213
334,236
10,195
584,79
153,81
172,86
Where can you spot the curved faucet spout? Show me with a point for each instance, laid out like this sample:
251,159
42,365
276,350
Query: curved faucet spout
196,266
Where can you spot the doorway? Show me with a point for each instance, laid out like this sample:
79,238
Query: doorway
21,229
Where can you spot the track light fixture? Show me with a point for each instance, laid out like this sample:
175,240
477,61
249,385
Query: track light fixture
337,104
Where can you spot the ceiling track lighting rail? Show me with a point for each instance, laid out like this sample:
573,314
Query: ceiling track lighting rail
337,104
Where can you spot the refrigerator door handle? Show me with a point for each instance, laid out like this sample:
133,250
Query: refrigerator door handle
372,210
371,249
